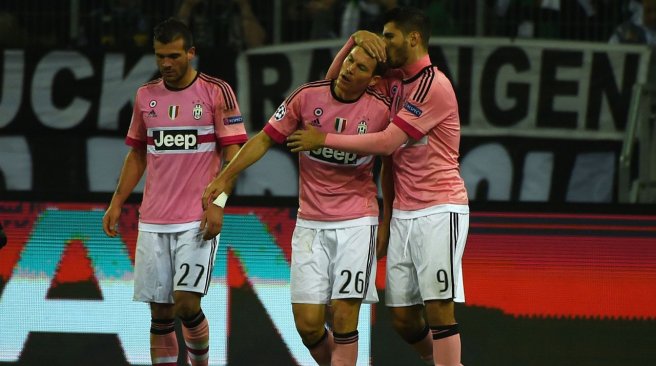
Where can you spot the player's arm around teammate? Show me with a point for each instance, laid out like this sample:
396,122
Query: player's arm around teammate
212,200
212,220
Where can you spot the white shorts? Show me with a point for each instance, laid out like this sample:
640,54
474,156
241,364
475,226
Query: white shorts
329,264
167,262
424,259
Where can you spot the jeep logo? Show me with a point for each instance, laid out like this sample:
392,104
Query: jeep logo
175,139
334,156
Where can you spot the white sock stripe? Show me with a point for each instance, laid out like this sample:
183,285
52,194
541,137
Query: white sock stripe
198,346
199,358
157,360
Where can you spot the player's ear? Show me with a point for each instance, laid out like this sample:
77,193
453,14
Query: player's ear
374,79
191,52
415,39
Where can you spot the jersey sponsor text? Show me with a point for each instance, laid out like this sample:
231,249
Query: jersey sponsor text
334,156
175,139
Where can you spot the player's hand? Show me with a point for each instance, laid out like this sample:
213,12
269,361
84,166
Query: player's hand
110,220
372,43
382,240
308,139
212,191
212,221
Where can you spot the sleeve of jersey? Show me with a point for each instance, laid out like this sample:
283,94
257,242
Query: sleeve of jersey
228,121
285,120
427,106
379,143
333,71
137,136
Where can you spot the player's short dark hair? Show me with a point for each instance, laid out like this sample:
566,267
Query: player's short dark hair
172,29
409,19
381,68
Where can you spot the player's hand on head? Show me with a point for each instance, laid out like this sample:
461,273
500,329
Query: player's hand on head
373,43
308,139
211,222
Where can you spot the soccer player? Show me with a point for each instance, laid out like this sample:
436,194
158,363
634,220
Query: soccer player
430,219
181,124
333,245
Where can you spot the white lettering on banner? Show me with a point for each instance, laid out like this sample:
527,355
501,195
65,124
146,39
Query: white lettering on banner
490,163
12,86
105,156
542,89
43,89
536,180
119,87
592,178
16,163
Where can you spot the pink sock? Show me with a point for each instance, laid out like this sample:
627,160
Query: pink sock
322,350
424,346
196,332
446,345
163,343
346,349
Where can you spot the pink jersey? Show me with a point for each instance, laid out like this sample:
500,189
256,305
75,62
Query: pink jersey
334,185
180,129
426,168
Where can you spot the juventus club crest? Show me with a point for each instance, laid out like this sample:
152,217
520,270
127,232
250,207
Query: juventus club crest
197,111
174,110
340,124
362,127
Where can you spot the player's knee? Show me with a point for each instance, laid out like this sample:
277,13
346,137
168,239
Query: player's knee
440,312
310,330
345,315
407,322
187,305
161,311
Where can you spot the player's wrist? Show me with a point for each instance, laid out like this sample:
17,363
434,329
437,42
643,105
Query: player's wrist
221,200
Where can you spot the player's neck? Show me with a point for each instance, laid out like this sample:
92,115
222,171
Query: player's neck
185,81
344,95
415,63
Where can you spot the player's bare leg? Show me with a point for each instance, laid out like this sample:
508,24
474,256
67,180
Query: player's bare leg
163,342
310,320
409,323
195,328
345,331
446,336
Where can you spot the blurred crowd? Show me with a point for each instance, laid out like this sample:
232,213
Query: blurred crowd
235,25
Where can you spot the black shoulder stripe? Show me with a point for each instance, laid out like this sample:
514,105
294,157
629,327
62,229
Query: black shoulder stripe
377,95
228,95
424,85
226,90
312,84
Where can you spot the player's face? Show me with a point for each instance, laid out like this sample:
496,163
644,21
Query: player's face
397,45
173,62
356,72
